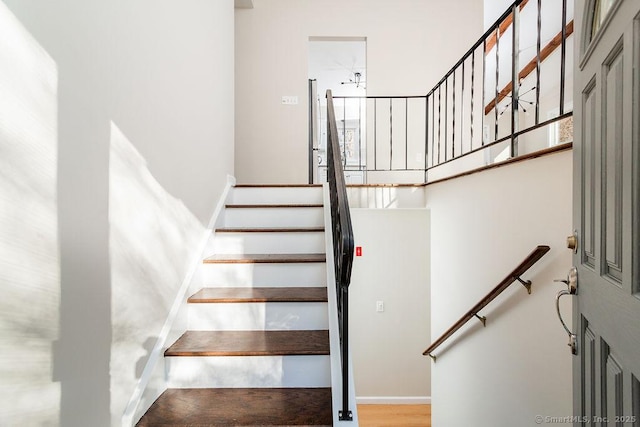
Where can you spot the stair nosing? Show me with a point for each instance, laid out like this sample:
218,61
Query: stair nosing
193,299
270,230
267,343
278,186
265,258
275,206
241,406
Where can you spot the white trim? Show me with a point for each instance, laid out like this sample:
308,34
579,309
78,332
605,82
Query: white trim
393,400
131,412
231,181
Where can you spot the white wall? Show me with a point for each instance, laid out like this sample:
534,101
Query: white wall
29,244
406,55
482,226
143,143
394,268
493,9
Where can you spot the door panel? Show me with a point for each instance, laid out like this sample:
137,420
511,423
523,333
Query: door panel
611,162
590,173
612,393
589,362
606,157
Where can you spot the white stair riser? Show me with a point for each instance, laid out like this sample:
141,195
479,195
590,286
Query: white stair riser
268,243
275,195
263,275
258,316
248,371
274,217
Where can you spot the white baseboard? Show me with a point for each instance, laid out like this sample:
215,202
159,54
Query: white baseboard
393,400
215,216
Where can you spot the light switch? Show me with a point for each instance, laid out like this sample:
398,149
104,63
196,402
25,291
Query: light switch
289,100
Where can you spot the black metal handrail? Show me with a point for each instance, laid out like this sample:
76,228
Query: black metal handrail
512,277
342,246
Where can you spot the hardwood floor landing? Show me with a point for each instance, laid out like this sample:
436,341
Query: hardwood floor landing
394,415
238,407
250,343
239,295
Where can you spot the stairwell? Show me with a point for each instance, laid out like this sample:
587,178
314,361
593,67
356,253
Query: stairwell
256,351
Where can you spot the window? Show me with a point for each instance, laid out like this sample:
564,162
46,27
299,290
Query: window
599,12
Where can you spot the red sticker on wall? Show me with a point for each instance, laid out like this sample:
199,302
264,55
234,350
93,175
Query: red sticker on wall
358,250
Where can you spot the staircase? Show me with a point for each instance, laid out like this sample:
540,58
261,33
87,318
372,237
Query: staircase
256,351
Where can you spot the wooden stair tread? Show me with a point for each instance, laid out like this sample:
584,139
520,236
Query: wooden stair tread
237,407
263,258
250,343
269,230
246,294
282,205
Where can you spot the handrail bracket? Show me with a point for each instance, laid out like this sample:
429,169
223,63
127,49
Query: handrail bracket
432,356
345,415
525,283
482,319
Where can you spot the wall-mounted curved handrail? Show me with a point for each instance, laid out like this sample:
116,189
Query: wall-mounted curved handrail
512,277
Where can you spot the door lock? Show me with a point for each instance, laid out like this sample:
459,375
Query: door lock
572,242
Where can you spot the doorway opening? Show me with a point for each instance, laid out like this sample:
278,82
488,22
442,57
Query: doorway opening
339,64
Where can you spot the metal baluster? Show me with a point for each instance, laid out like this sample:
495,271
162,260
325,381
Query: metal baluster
406,133
495,102
375,133
453,122
446,116
484,87
515,79
360,134
433,128
439,119
390,133
538,42
563,54
462,109
311,130
426,136
473,72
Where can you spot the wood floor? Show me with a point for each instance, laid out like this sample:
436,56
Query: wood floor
394,415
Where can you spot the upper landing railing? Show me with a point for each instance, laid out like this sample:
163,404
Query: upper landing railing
509,95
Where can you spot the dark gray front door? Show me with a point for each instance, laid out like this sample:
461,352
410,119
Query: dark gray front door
606,318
